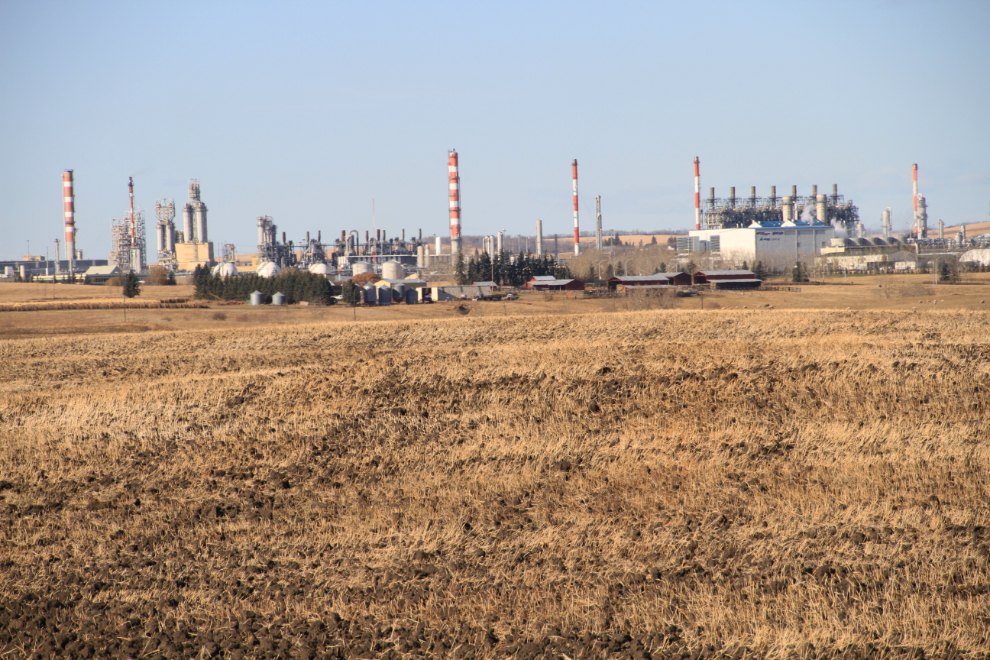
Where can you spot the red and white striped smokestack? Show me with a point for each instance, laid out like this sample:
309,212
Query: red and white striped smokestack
914,175
455,202
577,233
69,200
130,192
697,195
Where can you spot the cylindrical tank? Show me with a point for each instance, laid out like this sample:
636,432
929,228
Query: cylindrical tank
820,208
370,294
438,246
385,295
412,296
360,267
170,238
393,270
398,293
201,223
278,299
257,298
922,217
188,232
788,208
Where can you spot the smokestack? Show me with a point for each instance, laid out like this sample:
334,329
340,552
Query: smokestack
697,200
788,208
130,193
773,196
539,238
732,197
455,203
438,246
577,233
885,218
69,201
914,177
598,221
752,197
420,233
403,235
821,202
922,216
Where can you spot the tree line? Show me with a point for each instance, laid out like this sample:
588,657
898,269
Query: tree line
506,272
295,285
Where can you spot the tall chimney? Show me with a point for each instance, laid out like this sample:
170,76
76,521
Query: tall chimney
455,203
539,238
914,177
577,233
697,200
598,222
69,200
130,193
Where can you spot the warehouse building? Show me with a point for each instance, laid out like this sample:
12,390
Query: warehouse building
773,244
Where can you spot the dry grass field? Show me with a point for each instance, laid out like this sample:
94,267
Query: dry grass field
668,484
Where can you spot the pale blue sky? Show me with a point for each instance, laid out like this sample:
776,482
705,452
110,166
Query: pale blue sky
305,111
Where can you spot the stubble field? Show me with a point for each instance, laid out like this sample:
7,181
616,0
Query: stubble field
670,484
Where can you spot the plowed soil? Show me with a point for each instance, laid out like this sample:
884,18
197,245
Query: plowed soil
665,484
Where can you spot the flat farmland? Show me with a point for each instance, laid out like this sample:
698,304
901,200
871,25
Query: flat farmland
658,483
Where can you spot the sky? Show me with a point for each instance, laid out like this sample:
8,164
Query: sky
308,111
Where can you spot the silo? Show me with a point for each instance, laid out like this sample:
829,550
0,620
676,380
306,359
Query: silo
787,209
393,270
360,267
398,293
412,296
257,298
201,222
278,299
370,294
384,295
188,233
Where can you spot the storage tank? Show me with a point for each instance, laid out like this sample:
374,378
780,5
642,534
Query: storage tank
225,269
384,295
370,294
320,269
398,293
278,299
257,298
412,296
393,270
268,269
361,267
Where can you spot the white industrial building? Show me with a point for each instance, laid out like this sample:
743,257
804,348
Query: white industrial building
773,244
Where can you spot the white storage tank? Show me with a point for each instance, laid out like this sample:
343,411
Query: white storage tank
278,299
320,269
268,269
225,269
361,267
393,270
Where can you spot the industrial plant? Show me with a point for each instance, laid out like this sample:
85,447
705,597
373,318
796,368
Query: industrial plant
774,230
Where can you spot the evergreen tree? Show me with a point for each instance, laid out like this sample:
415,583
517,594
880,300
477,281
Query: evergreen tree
460,273
131,285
